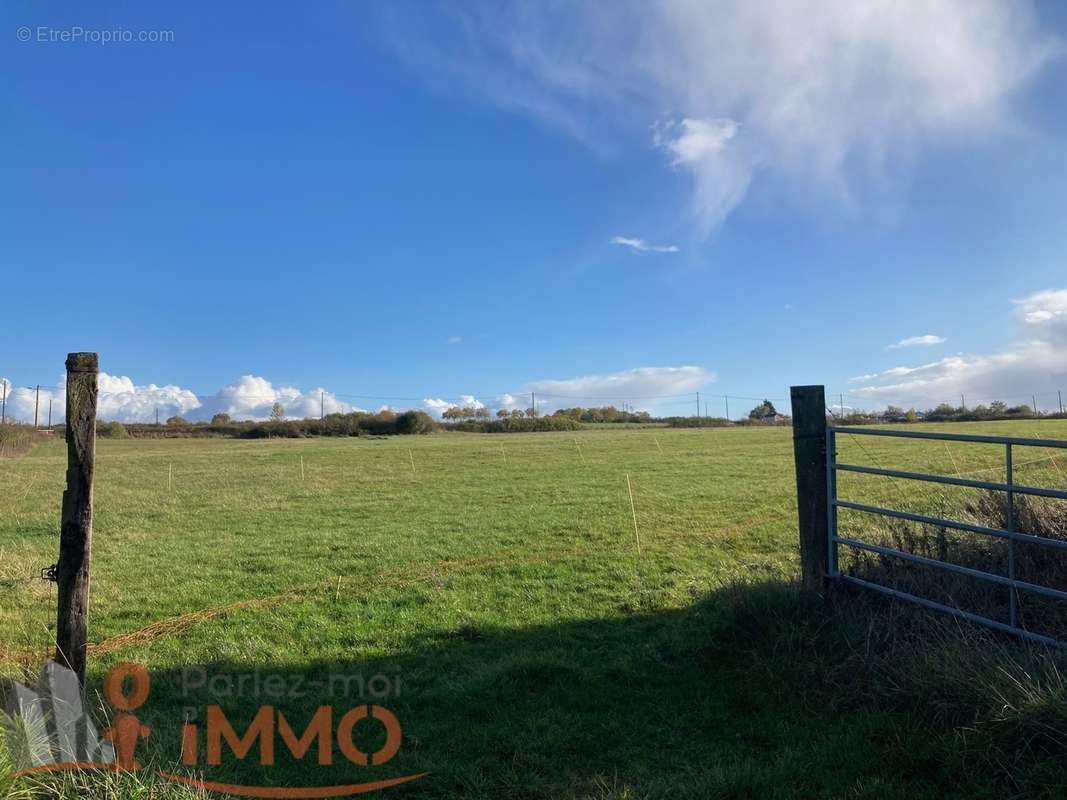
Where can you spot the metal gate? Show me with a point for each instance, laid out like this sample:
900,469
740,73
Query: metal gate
1009,487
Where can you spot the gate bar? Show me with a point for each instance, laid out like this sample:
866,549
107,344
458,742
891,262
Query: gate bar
956,437
971,484
948,566
956,612
959,526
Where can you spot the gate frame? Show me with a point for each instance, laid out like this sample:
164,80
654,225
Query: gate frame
826,558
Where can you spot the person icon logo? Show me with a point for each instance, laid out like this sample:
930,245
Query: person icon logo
126,689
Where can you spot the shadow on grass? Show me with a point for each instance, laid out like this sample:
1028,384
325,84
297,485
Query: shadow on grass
755,691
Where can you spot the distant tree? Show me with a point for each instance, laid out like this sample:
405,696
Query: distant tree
177,421
502,413
943,412
517,413
277,412
895,414
998,408
414,422
112,430
482,414
221,419
764,411
531,413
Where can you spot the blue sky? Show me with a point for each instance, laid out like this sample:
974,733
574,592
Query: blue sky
424,201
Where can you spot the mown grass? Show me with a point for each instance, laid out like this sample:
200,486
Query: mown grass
540,653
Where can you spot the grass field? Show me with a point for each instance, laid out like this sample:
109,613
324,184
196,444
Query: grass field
544,648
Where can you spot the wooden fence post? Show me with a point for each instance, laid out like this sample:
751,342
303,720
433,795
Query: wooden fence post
76,533
809,454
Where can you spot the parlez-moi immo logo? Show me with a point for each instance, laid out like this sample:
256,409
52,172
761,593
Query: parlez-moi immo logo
49,730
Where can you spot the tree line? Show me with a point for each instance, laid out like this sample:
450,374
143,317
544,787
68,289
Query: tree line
479,419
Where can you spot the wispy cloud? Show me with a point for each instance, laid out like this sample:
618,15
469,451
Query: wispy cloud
641,246
1049,306
455,340
644,387
835,97
642,382
918,341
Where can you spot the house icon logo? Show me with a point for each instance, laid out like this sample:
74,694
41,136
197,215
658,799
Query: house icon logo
48,727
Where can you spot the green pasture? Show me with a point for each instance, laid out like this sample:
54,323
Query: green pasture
544,646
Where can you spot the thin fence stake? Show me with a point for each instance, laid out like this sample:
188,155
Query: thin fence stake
170,477
301,468
579,450
952,458
410,456
633,512
1051,456
337,592
505,455
656,440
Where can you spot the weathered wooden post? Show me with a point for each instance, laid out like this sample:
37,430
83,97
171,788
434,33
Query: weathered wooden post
76,533
809,454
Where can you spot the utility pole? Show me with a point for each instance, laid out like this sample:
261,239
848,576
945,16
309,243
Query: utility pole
157,416
698,405
705,408
36,401
1034,398
322,408
3,408
533,403
1059,394
841,399
727,399
76,531
963,403
49,413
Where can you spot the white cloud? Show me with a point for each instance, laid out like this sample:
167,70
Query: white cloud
1034,365
435,405
916,341
644,386
510,402
1046,307
22,402
836,97
119,398
455,340
641,246
720,176
251,397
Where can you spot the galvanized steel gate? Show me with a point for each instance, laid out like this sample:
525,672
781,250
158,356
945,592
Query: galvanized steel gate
1009,487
